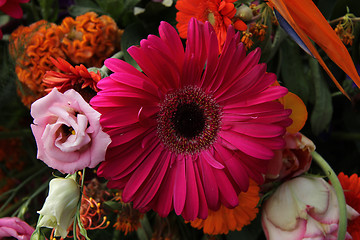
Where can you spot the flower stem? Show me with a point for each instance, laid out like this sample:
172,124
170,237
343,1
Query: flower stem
338,190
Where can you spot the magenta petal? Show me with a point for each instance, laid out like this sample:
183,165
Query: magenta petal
234,166
140,174
153,184
210,184
180,185
251,148
211,160
191,208
228,196
164,202
203,208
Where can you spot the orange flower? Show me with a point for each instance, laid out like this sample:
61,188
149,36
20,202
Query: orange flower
220,13
78,78
32,47
351,186
225,219
89,39
303,20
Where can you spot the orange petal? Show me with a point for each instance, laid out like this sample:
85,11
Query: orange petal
299,113
307,21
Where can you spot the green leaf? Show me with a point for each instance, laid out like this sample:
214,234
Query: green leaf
323,109
292,70
112,205
132,35
49,9
83,6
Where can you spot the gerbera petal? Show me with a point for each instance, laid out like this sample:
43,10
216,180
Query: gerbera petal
251,148
180,185
140,174
153,183
191,210
210,184
234,166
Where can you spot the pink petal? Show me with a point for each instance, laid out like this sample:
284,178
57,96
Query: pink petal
180,185
244,144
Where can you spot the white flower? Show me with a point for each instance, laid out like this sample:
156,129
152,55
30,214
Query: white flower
60,205
303,208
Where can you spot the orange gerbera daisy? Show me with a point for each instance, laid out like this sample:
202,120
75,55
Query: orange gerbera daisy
90,39
225,219
31,47
351,186
220,13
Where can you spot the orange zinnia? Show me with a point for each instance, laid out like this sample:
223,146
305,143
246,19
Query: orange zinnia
89,39
31,47
351,186
225,219
219,13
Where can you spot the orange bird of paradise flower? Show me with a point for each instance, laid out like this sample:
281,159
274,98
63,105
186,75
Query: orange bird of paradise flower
303,20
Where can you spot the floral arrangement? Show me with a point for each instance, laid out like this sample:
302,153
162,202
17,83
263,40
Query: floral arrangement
186,119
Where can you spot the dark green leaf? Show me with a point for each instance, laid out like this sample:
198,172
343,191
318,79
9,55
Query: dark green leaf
49,9
132,35
292,70
323,109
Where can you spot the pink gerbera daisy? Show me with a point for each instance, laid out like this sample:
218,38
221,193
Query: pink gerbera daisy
189,132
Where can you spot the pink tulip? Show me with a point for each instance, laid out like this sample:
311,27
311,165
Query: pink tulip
68,132
303,208
15,227
293,160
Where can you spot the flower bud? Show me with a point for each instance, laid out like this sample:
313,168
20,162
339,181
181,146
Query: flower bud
60,205
303,208
244,13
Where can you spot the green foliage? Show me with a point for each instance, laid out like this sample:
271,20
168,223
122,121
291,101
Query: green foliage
323,110
293,72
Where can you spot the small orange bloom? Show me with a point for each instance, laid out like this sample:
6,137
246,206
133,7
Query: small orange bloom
89,39
220,13
77,78
351,186
225,219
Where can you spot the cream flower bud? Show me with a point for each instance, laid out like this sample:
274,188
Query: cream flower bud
303,208
60,205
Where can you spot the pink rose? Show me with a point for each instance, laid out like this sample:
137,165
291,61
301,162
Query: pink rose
293,160
68,132
15,227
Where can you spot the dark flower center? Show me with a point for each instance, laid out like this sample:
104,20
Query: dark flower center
188,120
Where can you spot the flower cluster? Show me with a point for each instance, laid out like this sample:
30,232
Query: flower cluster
34,46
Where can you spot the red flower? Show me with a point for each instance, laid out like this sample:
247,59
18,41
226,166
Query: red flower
351,186
219,13
71,78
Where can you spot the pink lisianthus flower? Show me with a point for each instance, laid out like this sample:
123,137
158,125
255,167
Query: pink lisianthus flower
293,160
68,132
15,227
303,208
191,130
